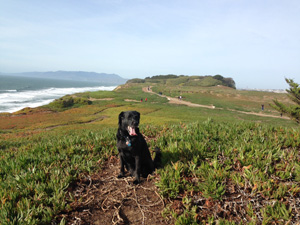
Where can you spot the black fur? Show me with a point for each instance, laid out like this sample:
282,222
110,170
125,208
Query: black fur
133,150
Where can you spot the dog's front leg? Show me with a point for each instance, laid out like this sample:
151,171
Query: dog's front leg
137,170
122,171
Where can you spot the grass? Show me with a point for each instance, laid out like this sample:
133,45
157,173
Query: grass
224,97
219,166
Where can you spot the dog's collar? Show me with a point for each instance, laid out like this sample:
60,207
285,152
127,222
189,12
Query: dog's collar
128,141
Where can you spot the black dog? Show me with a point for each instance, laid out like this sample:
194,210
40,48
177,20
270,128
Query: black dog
133,149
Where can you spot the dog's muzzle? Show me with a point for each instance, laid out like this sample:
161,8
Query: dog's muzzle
131,131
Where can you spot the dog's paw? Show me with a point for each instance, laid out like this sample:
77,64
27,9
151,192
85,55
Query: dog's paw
145,175
132,172
121,175
136,182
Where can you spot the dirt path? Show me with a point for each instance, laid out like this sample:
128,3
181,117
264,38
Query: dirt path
178,101
260,114
182,102
104,199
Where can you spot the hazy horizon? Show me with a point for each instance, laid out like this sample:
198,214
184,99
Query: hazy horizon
87,82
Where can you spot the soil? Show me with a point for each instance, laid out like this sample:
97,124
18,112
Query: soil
130,100
102,198
100,99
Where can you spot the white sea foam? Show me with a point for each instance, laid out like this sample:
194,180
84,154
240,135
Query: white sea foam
10,91
12,100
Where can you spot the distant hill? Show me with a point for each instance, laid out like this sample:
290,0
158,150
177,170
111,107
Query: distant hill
183,80
103,78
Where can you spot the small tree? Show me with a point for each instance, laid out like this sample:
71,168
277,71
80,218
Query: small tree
293,111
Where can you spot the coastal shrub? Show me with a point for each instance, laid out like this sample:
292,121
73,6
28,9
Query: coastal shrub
201,81
136,80
68,102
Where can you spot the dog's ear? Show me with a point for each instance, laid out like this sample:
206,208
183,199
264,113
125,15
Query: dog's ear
121,116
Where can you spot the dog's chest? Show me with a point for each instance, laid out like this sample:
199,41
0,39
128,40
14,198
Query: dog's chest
128,146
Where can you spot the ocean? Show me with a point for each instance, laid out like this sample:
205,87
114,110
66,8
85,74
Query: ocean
17,93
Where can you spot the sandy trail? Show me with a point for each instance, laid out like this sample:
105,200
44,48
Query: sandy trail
178,101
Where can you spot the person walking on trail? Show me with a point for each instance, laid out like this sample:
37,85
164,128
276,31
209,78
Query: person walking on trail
262,107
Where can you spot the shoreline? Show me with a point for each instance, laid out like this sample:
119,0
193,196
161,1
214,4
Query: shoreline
15,101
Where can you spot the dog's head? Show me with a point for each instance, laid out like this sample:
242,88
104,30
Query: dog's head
130,121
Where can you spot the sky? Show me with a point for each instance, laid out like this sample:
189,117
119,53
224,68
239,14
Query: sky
257,42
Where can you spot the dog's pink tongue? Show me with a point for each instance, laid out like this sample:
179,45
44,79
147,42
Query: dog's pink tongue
132,131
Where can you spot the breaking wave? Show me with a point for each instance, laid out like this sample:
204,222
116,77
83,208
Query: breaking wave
14,100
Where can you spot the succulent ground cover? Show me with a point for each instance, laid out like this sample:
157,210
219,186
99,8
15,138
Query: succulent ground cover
219,167
236,173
